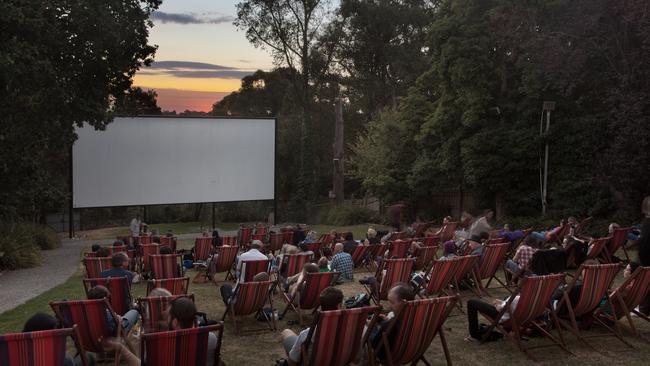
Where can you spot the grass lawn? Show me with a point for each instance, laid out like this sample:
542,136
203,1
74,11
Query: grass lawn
263,347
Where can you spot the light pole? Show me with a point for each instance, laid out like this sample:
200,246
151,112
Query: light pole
547,108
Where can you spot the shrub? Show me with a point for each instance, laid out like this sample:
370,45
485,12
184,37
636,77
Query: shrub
347,214
45,238
18,248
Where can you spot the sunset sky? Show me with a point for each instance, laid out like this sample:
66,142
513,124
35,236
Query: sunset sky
201,56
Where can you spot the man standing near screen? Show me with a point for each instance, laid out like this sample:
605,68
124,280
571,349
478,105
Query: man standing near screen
135,229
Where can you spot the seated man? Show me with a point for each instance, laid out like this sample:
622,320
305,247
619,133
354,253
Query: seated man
349,244
523,255
120,263
397,295
330,299
295,283
253,254
342,263
475,306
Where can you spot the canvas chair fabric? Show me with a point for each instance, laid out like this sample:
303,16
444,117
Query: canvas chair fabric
120,289
166,265
96,265
309,297
177,286
153,311
91,320
181,347
41,348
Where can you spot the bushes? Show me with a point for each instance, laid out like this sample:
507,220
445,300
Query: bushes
18,247
45,238
347,214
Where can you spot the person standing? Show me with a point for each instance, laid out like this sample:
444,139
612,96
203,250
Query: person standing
135,229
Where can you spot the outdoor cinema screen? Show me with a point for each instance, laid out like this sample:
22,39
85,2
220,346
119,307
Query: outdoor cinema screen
167,160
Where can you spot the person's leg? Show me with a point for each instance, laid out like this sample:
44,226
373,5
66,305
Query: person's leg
129,319
474,307
288,339
226,292
512,266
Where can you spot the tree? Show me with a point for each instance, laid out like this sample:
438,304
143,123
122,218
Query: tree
61,64
138,102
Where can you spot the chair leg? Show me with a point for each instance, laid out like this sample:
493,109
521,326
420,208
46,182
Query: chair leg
445,349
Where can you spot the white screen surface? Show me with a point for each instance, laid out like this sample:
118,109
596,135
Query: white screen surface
167,160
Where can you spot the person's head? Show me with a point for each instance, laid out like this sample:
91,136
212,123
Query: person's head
349,236
165,249
489,214
291,249
322,262
95,247
99,292
629,269
333,233
120,260
372,233
182,314
257,244
118,243
40,321
330,298
338,248
483,236
398,294
612,226
449,247
506,227
310,268
447,219
572,220
102,252
531,241
261,277
645,206
160,292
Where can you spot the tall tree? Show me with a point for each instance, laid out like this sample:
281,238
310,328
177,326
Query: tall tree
138,102
62,64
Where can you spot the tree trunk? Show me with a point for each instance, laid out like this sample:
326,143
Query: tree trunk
337,176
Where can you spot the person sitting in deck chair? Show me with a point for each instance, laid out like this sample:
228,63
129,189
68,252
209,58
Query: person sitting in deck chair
475,306
252,254
227,290
523,255
120,263
127,320
41,321
330,299
397,295
342,263
295,283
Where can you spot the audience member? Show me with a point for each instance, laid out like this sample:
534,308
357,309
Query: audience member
448,250
323,265
342,263
165,249
482,224
228,291
397,296
41,321
252,254
120,263
127,321
349,244
95,247
102,253
523,255
371,237
475,306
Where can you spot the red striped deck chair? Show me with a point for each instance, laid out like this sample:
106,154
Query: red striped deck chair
399,235
166,266
169,241
120,289
250,268
336,336
292,264
535,294
492,257
465,224
181,347
596,281
431,240
360,254
315,247
617,241
464,271
230,240
223,261
261,230
153,311
96,265
42,348
147,250
423,257
276,240
582,225
413,329
398,248
260,237
309,296
202,249
250,298
287,236
244,236
397,270
326,239
90,316
375,251
145,239
441,276
626,297
448,231
497,240
177,286
116,249
598,249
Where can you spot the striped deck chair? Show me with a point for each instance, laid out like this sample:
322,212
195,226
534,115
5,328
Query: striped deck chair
396,270
598,249
315,247
399,235
423,257
596,281
250,298
292,264
360,254
276,240
244,236
91,319
121,300
411,332
202,249
448,231
493,256
42,348
618,240
441,276
326,239
261,230
398,248
626,297
223,261
465,224
145,239
582,225
249,269
177,286
464,271
421,228
153,311
374,252
181,347
309,296
287,236
116,249
336,336
169,241
260,237
166,266
430,240
96,265
535,294
230,240
147,250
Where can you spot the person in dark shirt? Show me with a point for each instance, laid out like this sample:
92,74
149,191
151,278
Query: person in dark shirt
120,263
644,249
397,295
349,244
298,235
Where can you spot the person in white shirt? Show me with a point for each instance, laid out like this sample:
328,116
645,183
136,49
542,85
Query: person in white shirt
253,254
135,228
482,224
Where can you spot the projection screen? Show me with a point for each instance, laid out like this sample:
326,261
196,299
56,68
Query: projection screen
167,160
